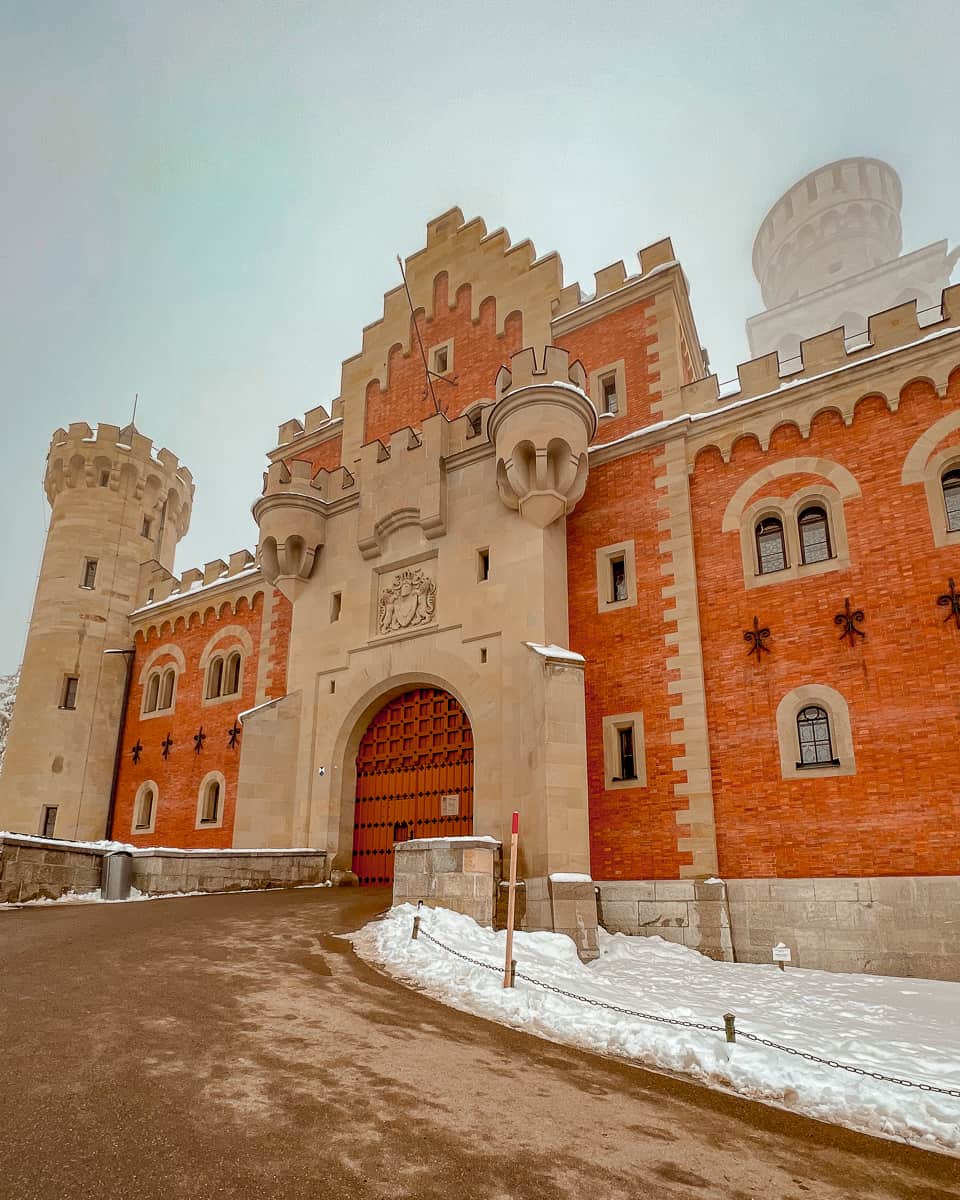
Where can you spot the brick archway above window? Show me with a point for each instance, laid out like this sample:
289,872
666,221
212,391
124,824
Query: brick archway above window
841,479
223,640
168,649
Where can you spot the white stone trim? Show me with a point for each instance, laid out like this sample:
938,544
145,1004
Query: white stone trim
140,830
841,736
210,777
604,556
611,751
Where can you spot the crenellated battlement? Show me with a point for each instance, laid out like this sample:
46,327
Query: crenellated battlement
165,586
524,371
608,280
116,446
887,331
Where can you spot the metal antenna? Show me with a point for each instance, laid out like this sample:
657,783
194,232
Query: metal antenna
423,353
136,401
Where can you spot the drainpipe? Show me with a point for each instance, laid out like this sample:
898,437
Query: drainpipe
129,654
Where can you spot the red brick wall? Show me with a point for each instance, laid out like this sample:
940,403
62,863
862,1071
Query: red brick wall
630,334
179,777
324,454
898,814
478,353
633,831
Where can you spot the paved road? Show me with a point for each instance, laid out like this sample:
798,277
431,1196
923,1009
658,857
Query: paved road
230,1046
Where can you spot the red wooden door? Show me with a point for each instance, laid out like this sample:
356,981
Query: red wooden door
414,779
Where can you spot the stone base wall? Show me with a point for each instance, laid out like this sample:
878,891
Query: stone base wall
564,906
883,925
226,870
46,869
461,874
691,912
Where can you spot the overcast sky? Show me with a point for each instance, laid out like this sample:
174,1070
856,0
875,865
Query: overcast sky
201,202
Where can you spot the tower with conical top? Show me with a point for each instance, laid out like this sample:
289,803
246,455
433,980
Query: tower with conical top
118,510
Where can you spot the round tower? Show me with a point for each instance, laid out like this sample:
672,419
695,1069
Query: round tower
116,505
838,221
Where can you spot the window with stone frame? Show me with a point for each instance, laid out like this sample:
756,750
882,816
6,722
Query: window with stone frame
771,547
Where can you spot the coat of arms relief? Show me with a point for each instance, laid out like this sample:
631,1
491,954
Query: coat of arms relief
410,599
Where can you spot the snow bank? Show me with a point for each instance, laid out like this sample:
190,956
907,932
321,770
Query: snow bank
909,1028
95,897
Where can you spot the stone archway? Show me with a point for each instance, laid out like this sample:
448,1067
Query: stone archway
414,778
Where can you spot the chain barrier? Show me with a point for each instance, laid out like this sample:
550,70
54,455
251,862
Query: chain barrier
750,1037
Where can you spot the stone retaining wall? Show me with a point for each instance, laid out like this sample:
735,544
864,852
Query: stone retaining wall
46,868
461,874
883,925
688,911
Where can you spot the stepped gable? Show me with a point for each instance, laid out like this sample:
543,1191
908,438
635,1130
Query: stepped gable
653,259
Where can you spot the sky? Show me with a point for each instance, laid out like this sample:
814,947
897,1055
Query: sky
202,201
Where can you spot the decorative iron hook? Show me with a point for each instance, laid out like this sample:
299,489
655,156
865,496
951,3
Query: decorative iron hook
757,637
850,618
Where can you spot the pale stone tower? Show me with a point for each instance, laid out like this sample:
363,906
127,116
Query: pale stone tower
827,254
118,511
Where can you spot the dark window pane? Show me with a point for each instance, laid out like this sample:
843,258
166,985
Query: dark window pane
627,766
951,498
771,551
813,730
814,536
618,572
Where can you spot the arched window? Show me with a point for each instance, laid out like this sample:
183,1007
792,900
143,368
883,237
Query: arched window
950,482
215,678
232,678
813,734
771,548
210,809
814,535
145,807
166,690
153,693
143,817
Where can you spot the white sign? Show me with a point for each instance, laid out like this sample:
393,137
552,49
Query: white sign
781,953
450,805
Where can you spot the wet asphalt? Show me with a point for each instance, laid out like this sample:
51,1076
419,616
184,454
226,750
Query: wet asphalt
233,1046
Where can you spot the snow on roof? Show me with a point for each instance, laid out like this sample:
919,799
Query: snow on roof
196,588
792,381
556,652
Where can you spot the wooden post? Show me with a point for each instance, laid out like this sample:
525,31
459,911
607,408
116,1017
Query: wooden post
416,922
511,902
730,1027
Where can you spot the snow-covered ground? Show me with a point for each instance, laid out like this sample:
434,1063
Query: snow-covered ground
8,693
908,1028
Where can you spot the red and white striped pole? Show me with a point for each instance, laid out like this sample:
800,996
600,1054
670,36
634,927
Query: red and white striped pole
511,903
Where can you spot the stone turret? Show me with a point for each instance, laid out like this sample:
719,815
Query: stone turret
541,427
116,504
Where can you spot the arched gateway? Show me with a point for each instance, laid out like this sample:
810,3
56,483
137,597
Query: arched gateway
414,778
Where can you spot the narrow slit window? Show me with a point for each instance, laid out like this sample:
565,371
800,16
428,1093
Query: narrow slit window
48,822
771,549
441,360
336,603
144,814
89,573
483,654
813,734
215,679
166,689
210,811
814,535
628,766
146,527
104,478
232,684
153,693
618,579
69,697
483,565
951,499
608,394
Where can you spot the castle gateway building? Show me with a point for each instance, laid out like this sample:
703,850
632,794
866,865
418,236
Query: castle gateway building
690,636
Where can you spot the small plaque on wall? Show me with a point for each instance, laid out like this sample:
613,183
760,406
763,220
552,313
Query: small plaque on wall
450,805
